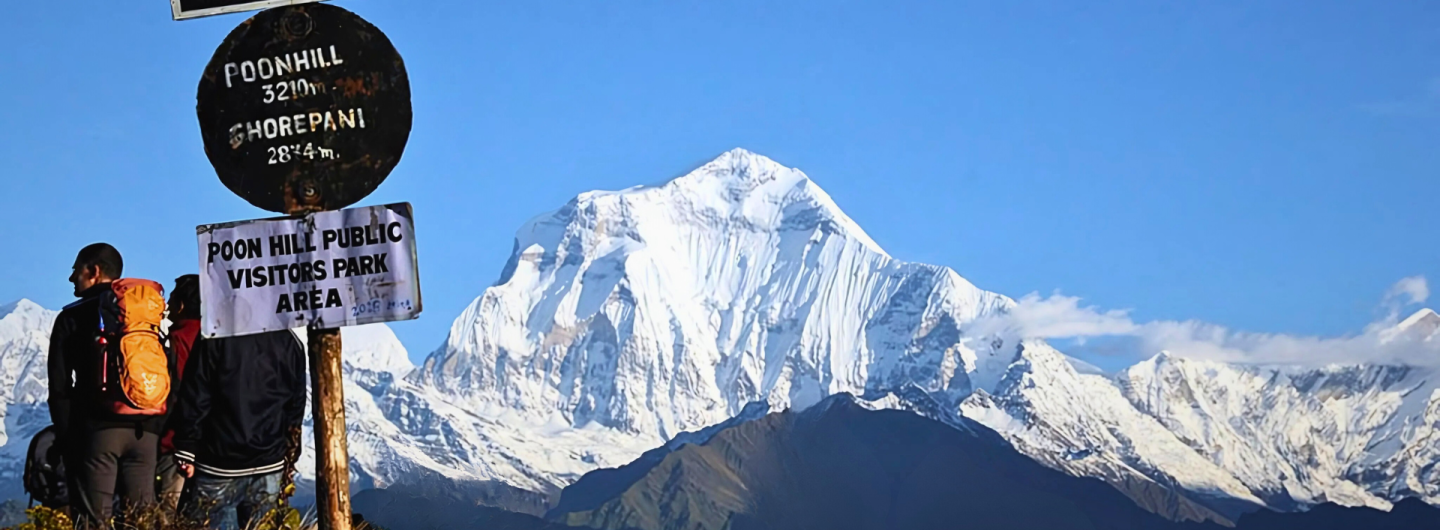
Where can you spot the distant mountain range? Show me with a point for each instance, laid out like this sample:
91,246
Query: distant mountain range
846,463
627,318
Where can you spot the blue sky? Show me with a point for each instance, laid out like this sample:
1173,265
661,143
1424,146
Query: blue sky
1270,168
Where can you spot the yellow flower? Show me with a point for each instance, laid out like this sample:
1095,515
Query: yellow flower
42,518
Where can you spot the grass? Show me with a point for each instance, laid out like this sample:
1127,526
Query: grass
157,517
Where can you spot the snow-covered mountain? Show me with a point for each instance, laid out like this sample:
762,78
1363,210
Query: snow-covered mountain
1356,435
655,310
24,338
1353,435
626,318
660,309
1082,424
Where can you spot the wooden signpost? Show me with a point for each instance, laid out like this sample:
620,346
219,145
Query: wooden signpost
305,109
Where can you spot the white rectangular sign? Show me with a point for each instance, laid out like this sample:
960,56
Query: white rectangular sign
326,270
184,9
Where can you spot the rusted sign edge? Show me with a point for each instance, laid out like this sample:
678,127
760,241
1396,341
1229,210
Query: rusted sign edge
402,208
408,213
247,6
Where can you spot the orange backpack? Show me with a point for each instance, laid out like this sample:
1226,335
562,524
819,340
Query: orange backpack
135,369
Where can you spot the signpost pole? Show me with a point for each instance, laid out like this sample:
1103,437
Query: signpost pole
332,470
327,391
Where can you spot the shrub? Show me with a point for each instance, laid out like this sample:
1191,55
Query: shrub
156,517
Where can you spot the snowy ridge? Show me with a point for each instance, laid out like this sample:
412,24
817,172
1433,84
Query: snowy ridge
24,339
24,332
403,434
1081,423
1423,326
1311,435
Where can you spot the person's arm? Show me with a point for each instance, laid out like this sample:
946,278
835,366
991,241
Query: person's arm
58,371
194,403
295,408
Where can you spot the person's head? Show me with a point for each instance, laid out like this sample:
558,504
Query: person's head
185,298
96,264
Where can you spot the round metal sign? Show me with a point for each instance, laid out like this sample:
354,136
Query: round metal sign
304,107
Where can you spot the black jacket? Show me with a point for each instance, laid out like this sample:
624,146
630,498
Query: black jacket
238,401
74,371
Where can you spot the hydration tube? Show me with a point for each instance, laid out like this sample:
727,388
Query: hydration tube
104,351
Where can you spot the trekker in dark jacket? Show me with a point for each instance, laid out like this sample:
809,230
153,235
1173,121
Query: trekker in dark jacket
239,402
101,447
184,328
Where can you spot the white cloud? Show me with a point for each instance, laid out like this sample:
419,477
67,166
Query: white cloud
1062,317
1059,316
1408,291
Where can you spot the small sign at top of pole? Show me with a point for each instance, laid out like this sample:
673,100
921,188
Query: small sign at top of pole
187,9
304,107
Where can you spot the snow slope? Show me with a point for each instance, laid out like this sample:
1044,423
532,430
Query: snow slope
24,338
1353,435
1082,424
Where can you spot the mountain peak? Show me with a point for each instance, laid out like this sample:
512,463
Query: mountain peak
25,314
743,166
737,190
740,175
1155,363
1420,325
760,185
21,306
1426,318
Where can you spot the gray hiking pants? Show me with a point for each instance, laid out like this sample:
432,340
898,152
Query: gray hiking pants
115,459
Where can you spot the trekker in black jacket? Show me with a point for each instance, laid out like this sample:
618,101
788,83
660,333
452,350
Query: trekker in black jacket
102,449
240,400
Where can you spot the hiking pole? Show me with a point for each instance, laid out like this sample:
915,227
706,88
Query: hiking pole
282,509
292,456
